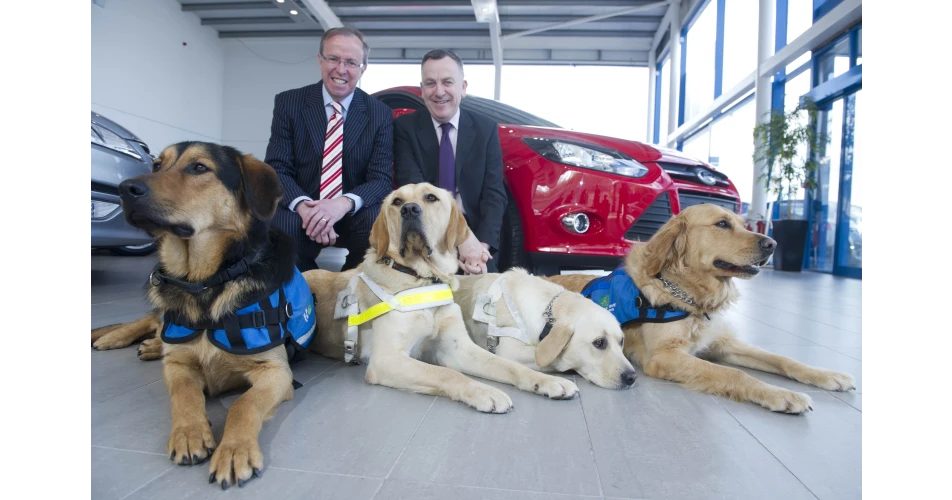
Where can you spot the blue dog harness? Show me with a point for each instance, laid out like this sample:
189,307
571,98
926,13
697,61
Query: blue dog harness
618,293
284,316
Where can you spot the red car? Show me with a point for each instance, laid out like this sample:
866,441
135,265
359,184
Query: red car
576,200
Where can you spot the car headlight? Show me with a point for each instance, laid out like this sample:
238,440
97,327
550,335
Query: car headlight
106,138
586,156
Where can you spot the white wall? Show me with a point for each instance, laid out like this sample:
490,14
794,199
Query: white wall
157,71
255,71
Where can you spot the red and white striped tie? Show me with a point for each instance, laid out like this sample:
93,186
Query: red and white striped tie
333,152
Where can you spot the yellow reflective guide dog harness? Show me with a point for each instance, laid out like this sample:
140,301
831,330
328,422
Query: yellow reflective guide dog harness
412,299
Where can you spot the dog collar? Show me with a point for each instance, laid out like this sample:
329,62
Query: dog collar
225,275
389,262
677,292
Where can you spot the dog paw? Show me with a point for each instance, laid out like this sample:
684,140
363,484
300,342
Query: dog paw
784,401
832,381
191,444
487,399
236,461
555,387
150,349
107,342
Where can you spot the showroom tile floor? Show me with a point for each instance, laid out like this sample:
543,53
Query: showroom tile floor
341,438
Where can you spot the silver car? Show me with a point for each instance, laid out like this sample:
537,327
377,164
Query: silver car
117,155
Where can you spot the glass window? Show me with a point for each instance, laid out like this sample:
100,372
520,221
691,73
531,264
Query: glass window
740,41
699,62
699,145
799,18
859,46
664,92
732,147
794,88
835,61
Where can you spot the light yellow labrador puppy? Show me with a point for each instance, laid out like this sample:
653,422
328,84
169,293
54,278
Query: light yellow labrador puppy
413,245
544,327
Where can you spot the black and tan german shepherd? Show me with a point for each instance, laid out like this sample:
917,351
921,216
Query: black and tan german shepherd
224,316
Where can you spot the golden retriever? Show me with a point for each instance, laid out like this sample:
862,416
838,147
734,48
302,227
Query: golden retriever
209,206
699,252
581,336
413,244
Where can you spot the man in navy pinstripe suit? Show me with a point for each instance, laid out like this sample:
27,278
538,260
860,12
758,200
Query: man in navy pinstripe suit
340,208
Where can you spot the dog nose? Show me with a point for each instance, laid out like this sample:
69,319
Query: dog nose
410,211
768,244
133,188
628,377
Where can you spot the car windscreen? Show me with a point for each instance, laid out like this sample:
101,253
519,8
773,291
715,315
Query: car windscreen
503,113
495,110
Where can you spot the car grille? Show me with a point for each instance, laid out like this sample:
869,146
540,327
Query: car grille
691,198
686,173
105,188
651,219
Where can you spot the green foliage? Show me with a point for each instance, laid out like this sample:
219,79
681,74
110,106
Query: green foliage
789,145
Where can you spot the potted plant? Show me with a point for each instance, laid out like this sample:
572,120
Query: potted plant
788,143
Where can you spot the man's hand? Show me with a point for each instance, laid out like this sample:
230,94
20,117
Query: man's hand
473,255
318,218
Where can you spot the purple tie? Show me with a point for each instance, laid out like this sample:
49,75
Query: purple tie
447,161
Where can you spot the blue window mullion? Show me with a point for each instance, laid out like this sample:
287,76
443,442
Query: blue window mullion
719,50
682,85
780,41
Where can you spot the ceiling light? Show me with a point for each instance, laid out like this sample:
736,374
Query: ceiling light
293,12
280,1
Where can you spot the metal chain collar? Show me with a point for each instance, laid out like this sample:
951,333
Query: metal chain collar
677,292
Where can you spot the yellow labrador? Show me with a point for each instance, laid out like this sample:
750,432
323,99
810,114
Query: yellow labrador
690,264
548,328
413,245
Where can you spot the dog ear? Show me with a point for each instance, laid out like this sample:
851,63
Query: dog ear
380,234
553,344
263,190
457,231
666,248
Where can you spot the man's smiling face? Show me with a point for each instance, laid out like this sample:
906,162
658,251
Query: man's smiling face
443,88
339,80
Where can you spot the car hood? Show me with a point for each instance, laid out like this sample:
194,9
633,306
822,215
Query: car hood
115,127
637,150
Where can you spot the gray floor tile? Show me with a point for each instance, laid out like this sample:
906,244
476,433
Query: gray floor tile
120,371
116,473
118,311
396,489
800,326
851,398
140,420
853,352
338,423
665,441
757,333
822,448
542,445
191,482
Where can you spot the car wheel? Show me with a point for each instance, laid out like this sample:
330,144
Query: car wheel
135,250
512,251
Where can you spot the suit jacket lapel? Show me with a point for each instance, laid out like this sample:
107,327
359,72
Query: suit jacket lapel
356,120
315,116
429,144
465,137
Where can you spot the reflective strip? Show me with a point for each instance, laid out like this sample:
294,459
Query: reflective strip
406,301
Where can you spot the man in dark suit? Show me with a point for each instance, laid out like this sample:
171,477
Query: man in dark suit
457,150
332,147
